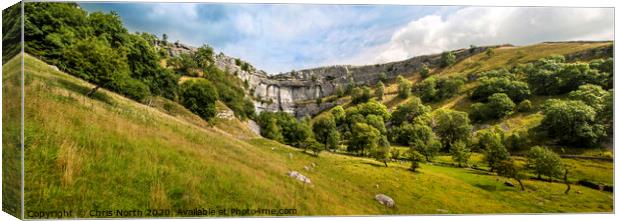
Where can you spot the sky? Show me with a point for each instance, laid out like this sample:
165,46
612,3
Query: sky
283,37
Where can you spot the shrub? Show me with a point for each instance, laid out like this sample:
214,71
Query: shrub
516,90
404,87
379,90
447,59
360,94
424,71
524,106
499,105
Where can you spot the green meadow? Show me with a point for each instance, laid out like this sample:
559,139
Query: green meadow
108,152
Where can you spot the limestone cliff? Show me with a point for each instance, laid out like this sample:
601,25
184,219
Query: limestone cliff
296,92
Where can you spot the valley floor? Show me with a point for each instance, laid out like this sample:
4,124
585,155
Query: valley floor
109,153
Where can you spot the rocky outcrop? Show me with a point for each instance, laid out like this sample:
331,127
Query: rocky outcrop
295,92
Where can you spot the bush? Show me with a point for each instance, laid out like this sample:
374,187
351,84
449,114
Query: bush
199,97
447,59
424,71
516,90
339,114
524,106
404,87
550,76
436,89
134,89
499,105
360,94
379,90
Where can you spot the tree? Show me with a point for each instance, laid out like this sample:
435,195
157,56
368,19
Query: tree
379,90
409,111
508,168
451,126
424,71
499,105
363,136
339,91
494,151
490,52
93,60
371,108
382,153
435,89
524,106
204,56
428,148
428,89
450,86
460,153
517,140
360,94
165,38
478,112
404,87
383,77
272,131
415,158
339,114
199,97
571,122
592,95
447,59
325,131
545,162
333,140
376,122
516,90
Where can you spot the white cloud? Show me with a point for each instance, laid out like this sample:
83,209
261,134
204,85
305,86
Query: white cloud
491,25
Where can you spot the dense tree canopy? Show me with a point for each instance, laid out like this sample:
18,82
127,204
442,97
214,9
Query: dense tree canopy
571,122
408,111
363,137
451,126
516,90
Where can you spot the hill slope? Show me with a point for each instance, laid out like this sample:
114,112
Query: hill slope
109,153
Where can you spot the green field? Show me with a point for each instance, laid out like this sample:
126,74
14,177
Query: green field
109,153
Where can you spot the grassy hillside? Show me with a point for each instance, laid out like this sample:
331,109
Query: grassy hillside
108,153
